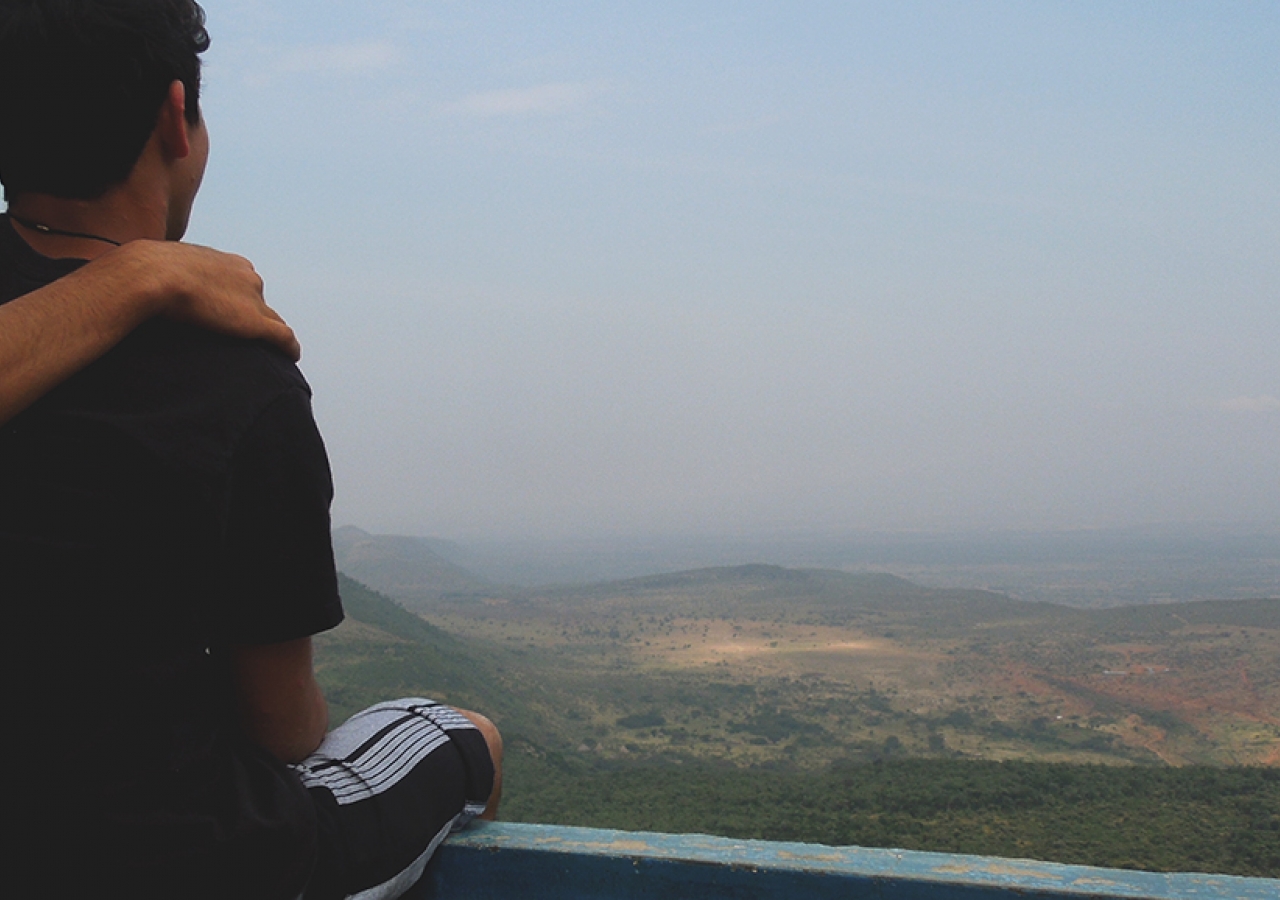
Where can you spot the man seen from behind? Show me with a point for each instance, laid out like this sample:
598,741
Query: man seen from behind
165,552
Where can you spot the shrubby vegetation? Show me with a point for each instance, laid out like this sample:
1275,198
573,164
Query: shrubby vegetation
610,746
1159,819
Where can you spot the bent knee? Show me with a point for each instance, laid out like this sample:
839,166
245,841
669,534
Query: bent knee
489,731
493,739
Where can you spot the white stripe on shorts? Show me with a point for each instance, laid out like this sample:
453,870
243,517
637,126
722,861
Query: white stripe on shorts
353,772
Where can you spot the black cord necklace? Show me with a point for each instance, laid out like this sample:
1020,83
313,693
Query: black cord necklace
58,232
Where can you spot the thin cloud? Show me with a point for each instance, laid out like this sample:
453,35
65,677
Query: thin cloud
338,59
542,99
1264,403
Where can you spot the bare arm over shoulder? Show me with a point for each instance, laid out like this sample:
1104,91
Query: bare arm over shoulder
54,332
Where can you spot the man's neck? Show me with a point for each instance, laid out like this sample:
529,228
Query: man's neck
119,216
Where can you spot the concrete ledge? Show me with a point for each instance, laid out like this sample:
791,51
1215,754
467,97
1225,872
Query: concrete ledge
532,862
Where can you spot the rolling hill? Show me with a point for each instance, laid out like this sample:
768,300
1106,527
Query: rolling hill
413,570
851,709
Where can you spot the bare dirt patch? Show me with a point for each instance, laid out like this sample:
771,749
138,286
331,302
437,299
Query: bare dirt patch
784,649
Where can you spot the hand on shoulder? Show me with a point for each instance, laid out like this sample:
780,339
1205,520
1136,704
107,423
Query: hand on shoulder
51,333
207,288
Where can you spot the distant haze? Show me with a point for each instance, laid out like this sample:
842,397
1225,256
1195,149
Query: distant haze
1104,567
762,268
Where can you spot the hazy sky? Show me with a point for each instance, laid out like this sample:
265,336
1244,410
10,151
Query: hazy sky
583,268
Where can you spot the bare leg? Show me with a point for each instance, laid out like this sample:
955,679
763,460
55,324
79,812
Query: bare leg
493,738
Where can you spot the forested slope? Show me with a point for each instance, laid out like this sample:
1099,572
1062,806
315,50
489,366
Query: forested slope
1159,819
1194,818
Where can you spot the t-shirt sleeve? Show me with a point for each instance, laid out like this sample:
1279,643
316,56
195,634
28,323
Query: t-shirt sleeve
278,578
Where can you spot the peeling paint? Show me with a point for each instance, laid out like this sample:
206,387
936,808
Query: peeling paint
1002,868
810,857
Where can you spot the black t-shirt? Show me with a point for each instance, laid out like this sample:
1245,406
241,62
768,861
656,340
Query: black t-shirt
167,502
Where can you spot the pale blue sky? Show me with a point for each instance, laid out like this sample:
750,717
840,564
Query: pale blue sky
572,268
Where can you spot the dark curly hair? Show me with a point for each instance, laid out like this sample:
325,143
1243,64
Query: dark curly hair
82,83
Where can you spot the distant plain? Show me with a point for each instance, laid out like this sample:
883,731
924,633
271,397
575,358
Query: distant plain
758,663
761,701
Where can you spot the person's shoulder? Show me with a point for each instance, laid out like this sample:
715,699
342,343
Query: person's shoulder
228,367
188,395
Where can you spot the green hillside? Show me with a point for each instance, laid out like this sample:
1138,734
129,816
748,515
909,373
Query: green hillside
382,651
676,763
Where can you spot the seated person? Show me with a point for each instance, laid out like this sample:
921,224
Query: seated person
164,532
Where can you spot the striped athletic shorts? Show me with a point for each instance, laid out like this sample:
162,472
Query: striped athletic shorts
389,785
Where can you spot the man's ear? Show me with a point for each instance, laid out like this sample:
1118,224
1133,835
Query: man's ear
171,125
